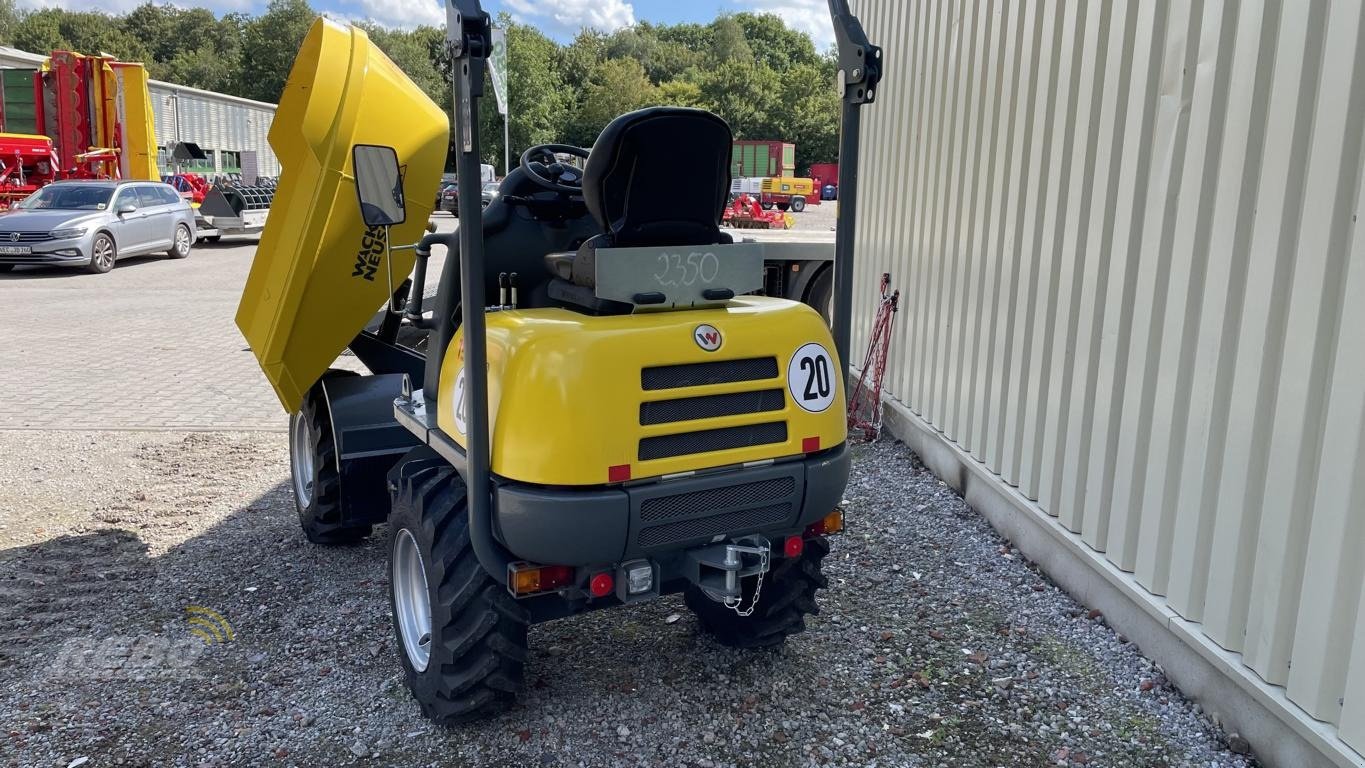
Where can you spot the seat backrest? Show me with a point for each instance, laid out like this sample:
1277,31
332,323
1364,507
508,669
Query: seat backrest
660,176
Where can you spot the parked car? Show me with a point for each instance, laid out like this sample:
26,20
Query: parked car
440,192
489,192
92,224
450,200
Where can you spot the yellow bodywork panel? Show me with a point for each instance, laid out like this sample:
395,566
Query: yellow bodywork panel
565,389
137,160
319,274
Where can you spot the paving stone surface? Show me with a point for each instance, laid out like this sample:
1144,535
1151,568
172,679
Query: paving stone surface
150,345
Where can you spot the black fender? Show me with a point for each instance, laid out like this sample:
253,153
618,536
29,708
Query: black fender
369,441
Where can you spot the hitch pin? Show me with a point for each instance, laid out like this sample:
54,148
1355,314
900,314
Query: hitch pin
502,290
513,279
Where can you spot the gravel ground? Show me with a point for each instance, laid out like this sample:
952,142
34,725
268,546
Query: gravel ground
817,217
937,645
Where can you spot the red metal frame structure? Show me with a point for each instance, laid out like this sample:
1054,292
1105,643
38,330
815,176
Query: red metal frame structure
865,405
26,163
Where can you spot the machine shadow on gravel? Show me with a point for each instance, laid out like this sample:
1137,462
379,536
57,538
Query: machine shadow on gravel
98,617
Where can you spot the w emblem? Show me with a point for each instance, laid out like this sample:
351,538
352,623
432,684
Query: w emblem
707,337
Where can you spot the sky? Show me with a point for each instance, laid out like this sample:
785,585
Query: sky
560,19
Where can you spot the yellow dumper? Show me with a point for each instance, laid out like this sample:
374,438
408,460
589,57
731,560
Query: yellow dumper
601,415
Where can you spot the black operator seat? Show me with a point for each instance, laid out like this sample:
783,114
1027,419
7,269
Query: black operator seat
656,176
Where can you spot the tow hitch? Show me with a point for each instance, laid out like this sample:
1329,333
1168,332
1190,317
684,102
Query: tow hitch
719,569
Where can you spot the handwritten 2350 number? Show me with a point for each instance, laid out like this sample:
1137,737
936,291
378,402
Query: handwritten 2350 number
676,269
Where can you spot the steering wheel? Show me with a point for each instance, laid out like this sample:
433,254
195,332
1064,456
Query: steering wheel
552,174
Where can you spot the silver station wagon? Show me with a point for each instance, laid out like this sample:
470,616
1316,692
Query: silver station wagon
92,224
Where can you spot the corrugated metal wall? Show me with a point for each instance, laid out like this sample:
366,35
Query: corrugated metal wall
214,122
1129,243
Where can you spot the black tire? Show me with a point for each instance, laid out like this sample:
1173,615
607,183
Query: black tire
820,293
783,207
100,262
766,206
788,597
478,631
181,242
319,503
798,204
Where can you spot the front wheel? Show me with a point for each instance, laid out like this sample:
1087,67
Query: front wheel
102,254
798,204
313,470
180,244
461,636
788,596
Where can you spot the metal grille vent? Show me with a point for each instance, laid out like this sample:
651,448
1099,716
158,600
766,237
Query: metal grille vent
746,495
711,406
743,520
700,374
704,441
7,238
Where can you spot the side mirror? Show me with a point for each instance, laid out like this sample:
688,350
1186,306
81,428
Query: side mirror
126,208
379,185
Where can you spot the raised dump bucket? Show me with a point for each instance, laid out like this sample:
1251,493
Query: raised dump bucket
318,276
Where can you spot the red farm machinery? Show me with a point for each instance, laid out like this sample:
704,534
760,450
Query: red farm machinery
75,117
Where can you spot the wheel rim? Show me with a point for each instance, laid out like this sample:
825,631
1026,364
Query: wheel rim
182,241
411,602
104,253
301,459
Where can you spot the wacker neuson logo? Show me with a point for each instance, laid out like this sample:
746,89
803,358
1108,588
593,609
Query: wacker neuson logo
371,253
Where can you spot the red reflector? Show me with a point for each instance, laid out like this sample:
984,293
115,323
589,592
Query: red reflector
793,546
810,444
602,585
618,474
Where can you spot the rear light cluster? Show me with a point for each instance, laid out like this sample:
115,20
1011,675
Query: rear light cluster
828,525
528,579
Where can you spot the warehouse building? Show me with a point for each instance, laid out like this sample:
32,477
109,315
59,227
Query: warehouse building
1131,243
229,129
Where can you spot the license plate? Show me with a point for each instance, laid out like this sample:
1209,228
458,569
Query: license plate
15,250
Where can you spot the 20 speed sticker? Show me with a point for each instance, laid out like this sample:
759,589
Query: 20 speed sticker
460,399
810,378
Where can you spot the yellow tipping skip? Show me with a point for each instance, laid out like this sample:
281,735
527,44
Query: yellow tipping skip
319,274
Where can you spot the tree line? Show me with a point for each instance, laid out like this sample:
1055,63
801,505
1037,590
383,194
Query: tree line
767,81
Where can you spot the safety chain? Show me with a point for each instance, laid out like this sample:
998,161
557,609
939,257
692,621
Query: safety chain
734,602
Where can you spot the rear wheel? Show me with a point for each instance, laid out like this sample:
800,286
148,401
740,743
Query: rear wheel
180,244
461,636
820,294
783,207
102,254
798,204
766,206
313,469
788,596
